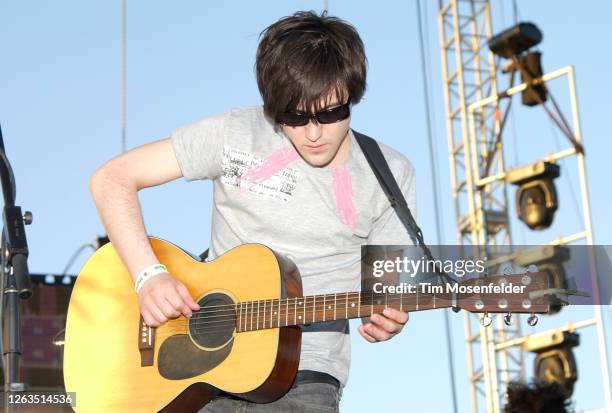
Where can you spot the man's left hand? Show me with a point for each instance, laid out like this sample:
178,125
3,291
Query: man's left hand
382,327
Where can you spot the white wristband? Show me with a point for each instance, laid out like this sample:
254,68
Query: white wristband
149,273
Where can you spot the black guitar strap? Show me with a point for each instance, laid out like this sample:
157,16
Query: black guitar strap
389,185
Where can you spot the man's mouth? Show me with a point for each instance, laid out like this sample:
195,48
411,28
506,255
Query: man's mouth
316,148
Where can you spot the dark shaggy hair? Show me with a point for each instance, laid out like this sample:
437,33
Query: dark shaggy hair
536,398
302,58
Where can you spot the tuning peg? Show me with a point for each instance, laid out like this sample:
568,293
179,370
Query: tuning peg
486,320
532,320
508,319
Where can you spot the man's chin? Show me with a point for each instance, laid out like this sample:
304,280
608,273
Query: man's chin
316,161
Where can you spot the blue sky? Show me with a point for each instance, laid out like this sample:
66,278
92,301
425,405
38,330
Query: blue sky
59,111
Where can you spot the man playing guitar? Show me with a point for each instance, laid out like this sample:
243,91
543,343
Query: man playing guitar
287,174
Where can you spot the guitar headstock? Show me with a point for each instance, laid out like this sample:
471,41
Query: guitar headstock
512,293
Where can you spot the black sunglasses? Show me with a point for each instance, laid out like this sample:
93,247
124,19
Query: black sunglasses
333,115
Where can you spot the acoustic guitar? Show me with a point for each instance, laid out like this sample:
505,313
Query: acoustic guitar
245,339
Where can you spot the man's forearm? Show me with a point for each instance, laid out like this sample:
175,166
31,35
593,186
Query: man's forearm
114,188
117,203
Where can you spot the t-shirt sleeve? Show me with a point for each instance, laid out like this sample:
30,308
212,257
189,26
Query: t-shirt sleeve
387,229
198,147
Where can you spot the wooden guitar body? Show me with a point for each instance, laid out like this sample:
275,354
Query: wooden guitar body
114,363
245,338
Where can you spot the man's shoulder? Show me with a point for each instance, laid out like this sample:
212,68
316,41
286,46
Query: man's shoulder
251,117
247,112
237,117
399,163
236,126
395,157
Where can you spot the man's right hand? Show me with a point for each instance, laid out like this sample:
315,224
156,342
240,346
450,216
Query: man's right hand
163,297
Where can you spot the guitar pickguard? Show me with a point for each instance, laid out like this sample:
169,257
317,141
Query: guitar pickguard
180,359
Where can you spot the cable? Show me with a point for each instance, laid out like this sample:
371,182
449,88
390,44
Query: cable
75,255
432,113
2,276
516,164
567,180
434,172
123,79
515,12
11,177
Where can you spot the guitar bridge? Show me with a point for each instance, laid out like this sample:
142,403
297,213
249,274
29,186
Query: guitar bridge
146,343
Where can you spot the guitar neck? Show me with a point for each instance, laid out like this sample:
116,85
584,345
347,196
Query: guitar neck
263,314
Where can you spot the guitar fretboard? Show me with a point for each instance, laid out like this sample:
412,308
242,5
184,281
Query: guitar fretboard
274,313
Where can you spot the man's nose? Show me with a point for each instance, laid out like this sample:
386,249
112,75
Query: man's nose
313,130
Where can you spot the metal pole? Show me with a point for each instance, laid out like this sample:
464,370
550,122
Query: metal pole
123,79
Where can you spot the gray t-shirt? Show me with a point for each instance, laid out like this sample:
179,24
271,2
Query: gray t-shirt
318,217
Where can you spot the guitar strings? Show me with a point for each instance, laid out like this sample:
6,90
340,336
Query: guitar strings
285,306
287,302
267,306
231,321
249,306
314,301
322,296
315,298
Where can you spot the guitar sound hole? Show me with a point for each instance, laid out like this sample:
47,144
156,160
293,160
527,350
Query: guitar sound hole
214,325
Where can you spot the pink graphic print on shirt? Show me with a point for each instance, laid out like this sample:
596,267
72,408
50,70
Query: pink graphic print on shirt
343,192
273,163
282,158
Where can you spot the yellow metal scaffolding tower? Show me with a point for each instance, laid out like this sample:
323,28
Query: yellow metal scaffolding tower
478,182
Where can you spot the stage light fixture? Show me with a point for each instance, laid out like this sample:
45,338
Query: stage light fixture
512,44
515,40
531,68
536,196
555,362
